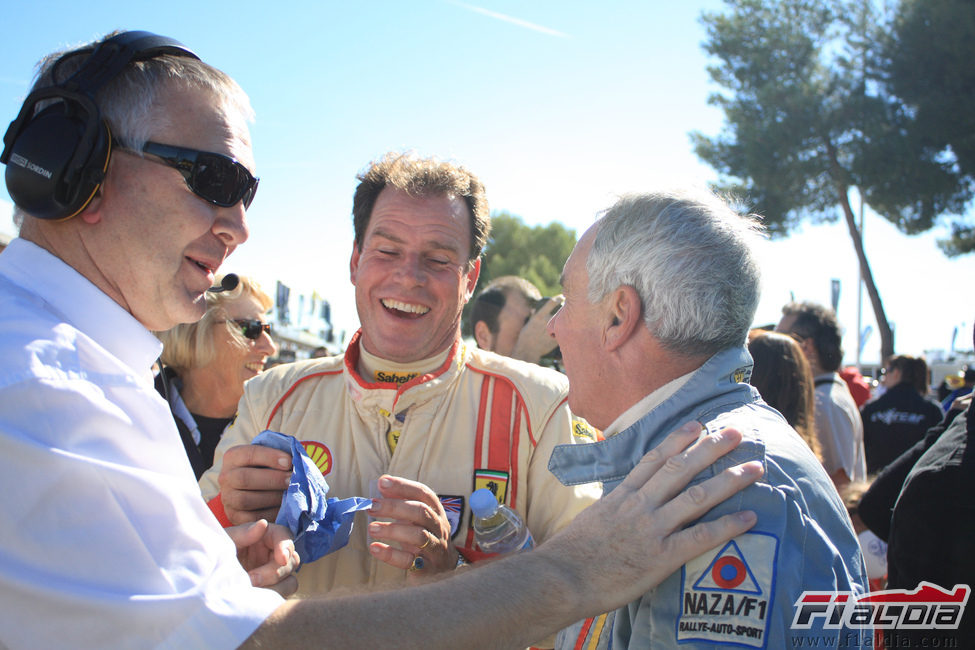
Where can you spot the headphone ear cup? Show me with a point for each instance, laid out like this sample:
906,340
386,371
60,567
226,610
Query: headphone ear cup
58,161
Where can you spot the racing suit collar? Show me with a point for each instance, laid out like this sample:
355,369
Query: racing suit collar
419,388
720,379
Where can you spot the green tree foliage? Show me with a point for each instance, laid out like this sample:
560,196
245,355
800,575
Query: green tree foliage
808,117
927,63
536,253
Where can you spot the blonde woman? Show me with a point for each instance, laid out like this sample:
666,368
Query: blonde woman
205,365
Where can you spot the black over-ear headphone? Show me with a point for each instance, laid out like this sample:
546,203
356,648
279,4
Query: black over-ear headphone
57,158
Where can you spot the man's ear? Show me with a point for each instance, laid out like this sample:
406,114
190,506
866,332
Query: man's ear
354,261
471,278
624,316
92,213
103,199
483,336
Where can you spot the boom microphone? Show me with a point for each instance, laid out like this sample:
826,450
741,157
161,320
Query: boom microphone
229,283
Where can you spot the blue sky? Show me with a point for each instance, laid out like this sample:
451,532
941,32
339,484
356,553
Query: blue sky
558,106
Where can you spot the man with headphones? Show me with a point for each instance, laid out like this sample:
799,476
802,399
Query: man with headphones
131,168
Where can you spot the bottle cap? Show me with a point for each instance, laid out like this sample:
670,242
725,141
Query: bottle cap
483,503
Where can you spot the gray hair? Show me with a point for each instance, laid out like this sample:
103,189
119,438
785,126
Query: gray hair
689,256
127,102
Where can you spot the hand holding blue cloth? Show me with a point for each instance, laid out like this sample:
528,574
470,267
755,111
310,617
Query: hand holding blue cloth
320,525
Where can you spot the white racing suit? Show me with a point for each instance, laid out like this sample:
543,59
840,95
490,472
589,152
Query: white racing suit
480,420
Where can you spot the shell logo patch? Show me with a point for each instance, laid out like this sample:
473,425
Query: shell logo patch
319,454
727,596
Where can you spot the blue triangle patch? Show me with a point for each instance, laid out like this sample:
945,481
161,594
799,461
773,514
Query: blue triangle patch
729,571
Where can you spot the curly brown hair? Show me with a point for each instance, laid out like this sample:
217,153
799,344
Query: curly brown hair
421,177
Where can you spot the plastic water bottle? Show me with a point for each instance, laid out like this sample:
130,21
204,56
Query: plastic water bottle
498,528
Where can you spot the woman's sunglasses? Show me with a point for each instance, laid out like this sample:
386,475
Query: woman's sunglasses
252,328
213,177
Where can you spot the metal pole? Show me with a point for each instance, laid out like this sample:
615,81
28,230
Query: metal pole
860,291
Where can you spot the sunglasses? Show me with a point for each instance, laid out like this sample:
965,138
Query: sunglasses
252,328
213,177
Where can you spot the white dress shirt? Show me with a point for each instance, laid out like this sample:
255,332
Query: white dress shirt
105,540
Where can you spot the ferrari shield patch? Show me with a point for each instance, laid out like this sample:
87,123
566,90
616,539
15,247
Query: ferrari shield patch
493,480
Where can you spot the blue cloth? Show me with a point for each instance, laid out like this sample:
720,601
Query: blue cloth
743,593
320,525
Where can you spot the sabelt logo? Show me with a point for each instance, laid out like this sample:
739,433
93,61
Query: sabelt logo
395,377
20,161
927,607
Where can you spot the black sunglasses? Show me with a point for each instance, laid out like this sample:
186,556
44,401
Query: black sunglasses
252,328
213,177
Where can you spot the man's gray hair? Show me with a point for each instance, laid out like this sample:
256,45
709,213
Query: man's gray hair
690,257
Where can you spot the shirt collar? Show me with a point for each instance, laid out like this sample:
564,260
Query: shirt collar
81,303
633,414
374,368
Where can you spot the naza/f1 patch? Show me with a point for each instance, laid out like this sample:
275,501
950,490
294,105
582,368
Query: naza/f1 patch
726,597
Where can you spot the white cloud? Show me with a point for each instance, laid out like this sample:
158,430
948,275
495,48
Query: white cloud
511,19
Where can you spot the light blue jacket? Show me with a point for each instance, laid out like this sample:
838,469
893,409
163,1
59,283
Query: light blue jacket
743,593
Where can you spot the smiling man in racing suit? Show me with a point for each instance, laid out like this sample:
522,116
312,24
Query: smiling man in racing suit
409,397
